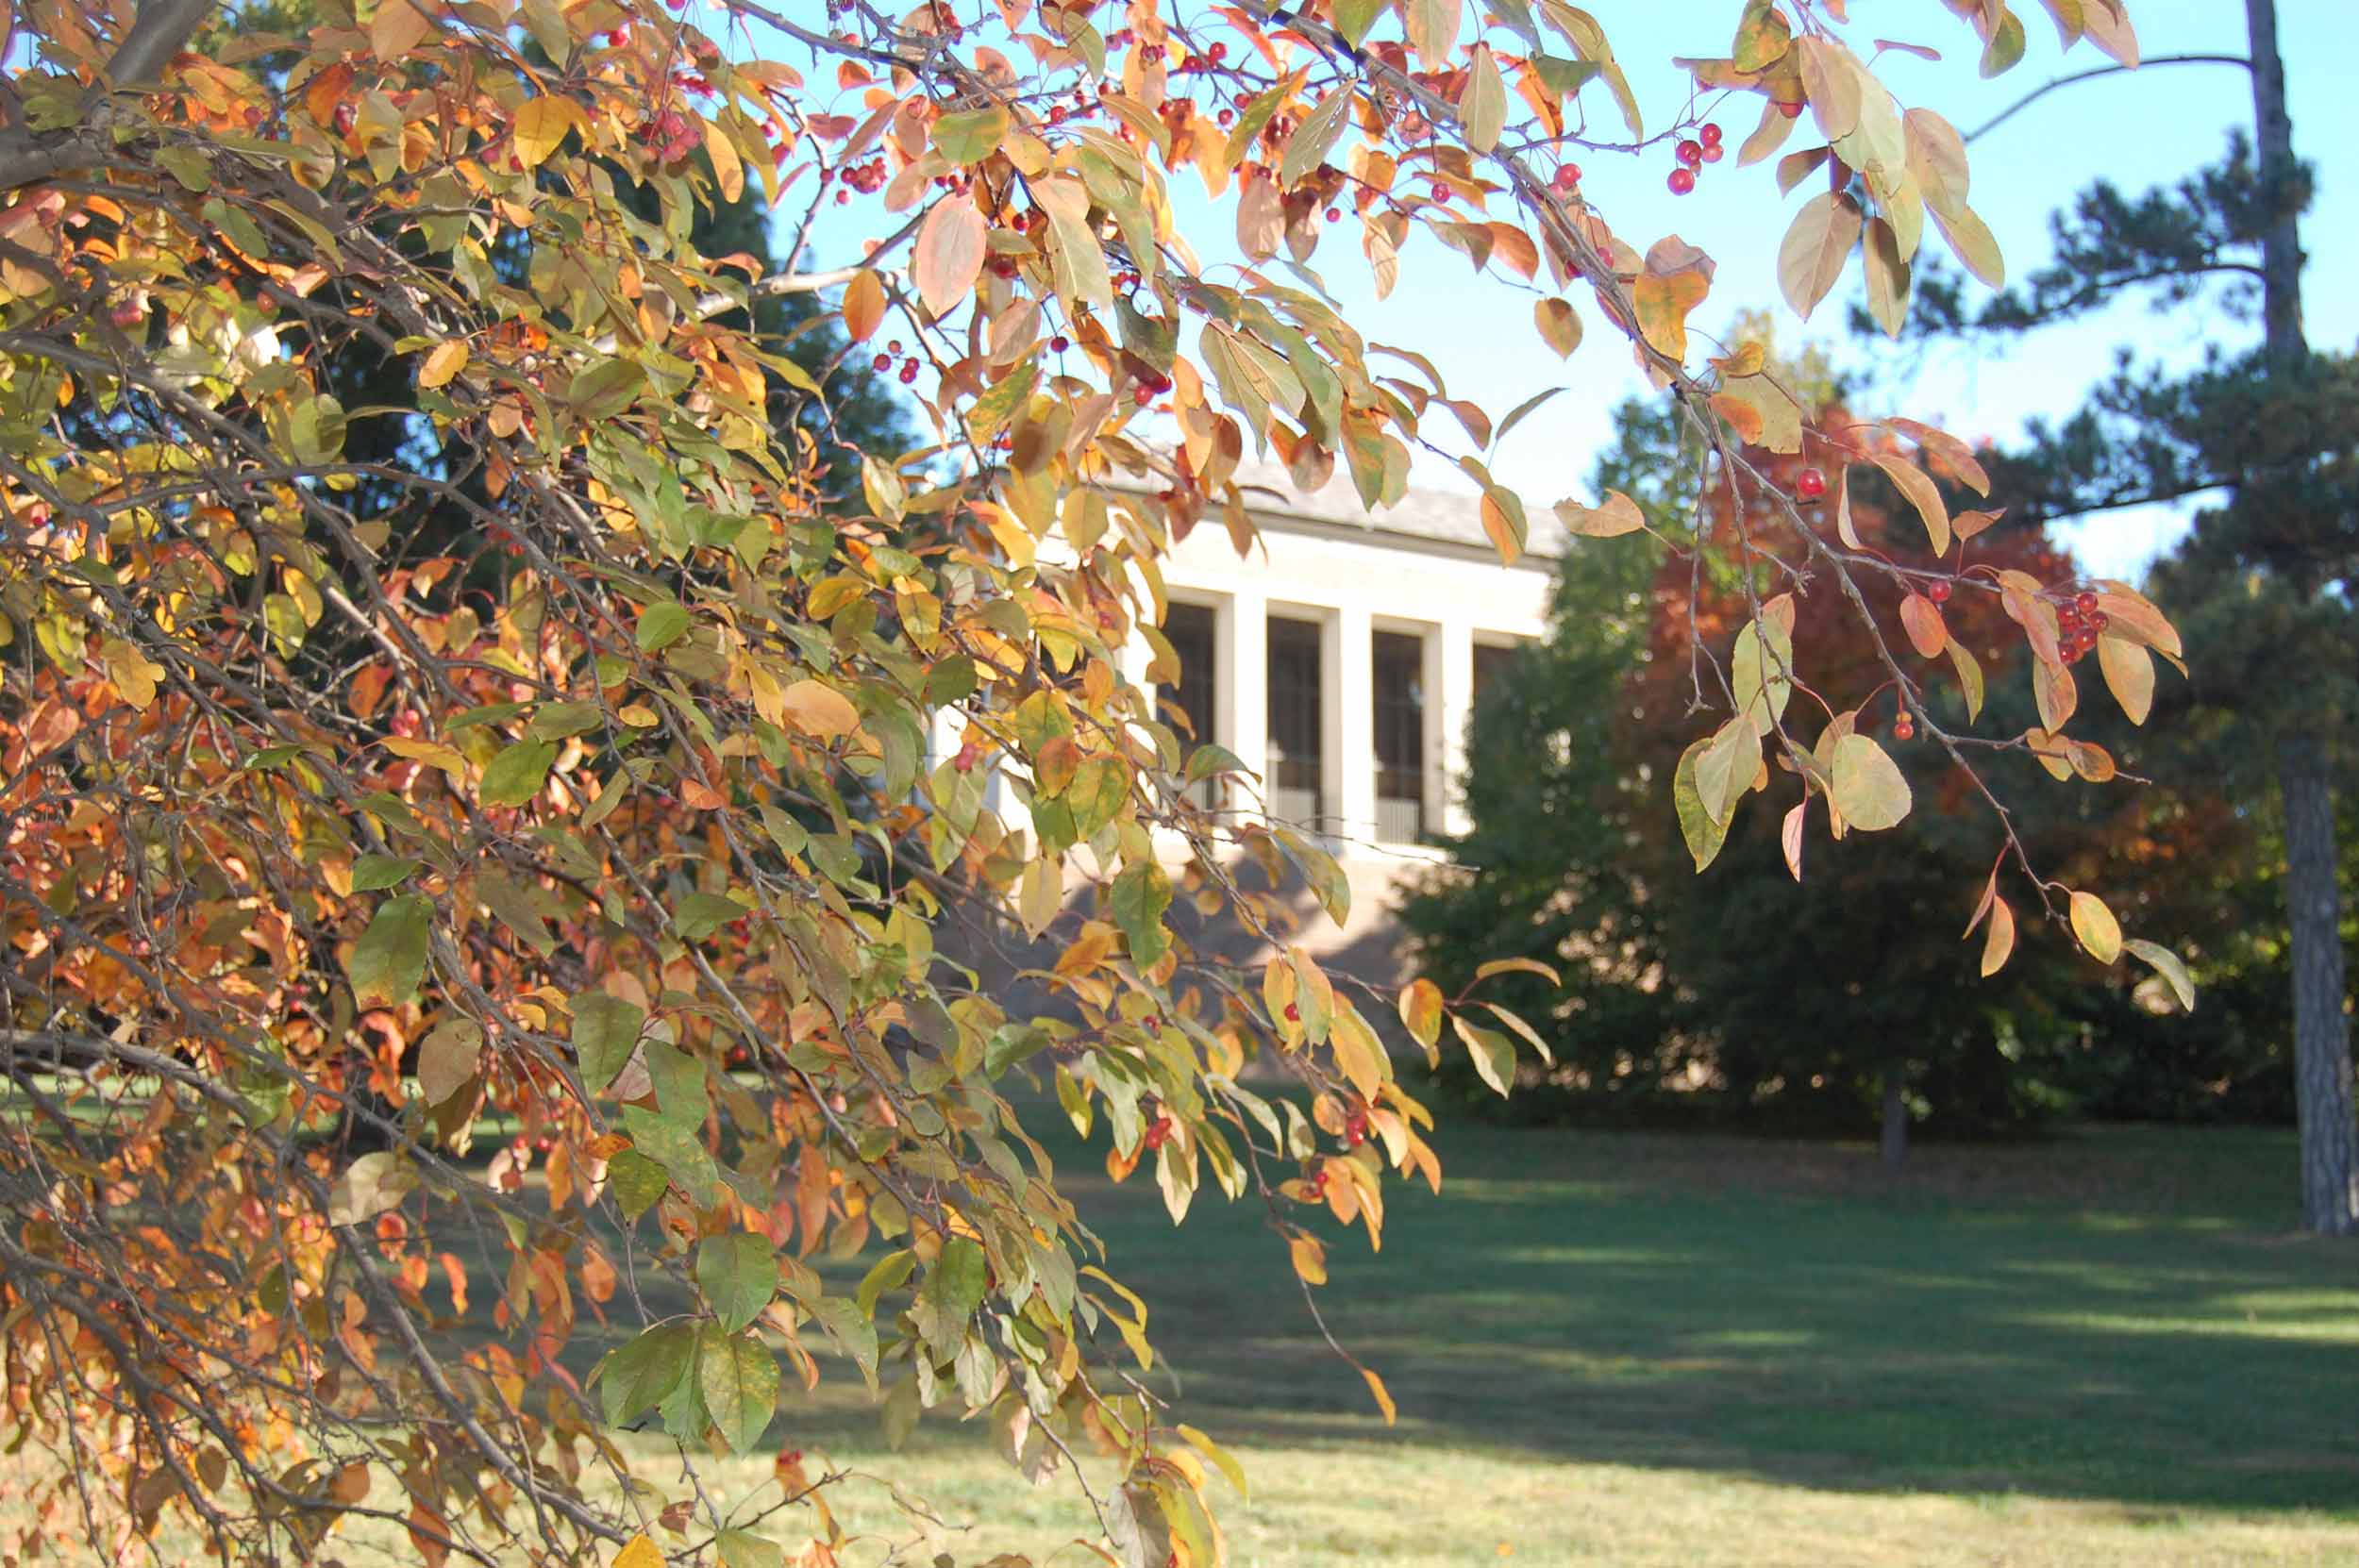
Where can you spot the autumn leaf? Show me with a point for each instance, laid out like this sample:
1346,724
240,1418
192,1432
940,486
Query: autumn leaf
949,253
1815,248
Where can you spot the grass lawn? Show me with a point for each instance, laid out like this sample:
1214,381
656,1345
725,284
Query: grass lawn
1638,1349
1634,1349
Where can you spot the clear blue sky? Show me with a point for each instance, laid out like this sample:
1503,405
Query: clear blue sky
2137,129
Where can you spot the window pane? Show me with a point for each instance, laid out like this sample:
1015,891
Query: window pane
1399,696
1490,664
1295,727
1191,630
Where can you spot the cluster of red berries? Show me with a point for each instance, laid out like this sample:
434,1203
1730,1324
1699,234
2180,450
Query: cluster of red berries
672,134
1693,152
1315,1184
883,362
1903,727
1355,1128
1150,386
1204,61
1159,1132
2079,622
863,177
1568,178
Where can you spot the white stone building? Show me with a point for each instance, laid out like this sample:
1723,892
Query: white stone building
1341,661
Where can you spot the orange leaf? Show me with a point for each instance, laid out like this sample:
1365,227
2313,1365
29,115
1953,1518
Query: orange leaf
949,252
864,306
1921,618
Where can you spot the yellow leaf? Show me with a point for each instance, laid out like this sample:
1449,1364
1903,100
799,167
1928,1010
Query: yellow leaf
2095,925
2129,673
2000,942
398,27
639,1552
541,124
133,673
434,753
1310,1258
1870,788
1383,1398
819,710
446,361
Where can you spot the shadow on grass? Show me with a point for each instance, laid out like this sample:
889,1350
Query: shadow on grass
2109,1318
2117,1317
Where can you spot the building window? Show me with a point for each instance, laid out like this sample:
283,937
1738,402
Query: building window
1400,669
1295,730
1491,663
1187,705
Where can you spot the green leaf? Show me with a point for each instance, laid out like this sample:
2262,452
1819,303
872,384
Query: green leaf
1761,673
744,1549
606,1031
972,136
636,1181
376,873
1494,1054
2168,964
851,1328
1703,831
680,1150
389,961
947,1299
885,1274
634,1378
739,1378
700,914
739,1275
516,775
1141,894
661,626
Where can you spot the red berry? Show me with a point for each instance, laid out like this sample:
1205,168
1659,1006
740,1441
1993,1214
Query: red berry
1059,343
2098,620
1810,484
1683,181
1217,51
1709,134
1792,111
882,362
1691,152
1712,152
1335,214
909,372
1294,1013
2085,602
893,347
1902,729
1143,396
1937,591
1227,117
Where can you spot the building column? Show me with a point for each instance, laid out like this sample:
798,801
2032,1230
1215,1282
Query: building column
1348,759
1241,701
1449,703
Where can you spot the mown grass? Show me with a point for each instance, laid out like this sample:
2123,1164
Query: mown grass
1632,1349
1646,1349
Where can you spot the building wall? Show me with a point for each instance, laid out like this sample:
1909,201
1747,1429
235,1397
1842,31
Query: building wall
1353,581
1428,573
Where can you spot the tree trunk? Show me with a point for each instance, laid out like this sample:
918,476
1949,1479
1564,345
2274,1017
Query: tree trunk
2330,1169
2330,1164
1896,1133
2280,241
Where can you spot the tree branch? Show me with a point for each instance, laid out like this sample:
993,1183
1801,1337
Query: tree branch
2038,92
